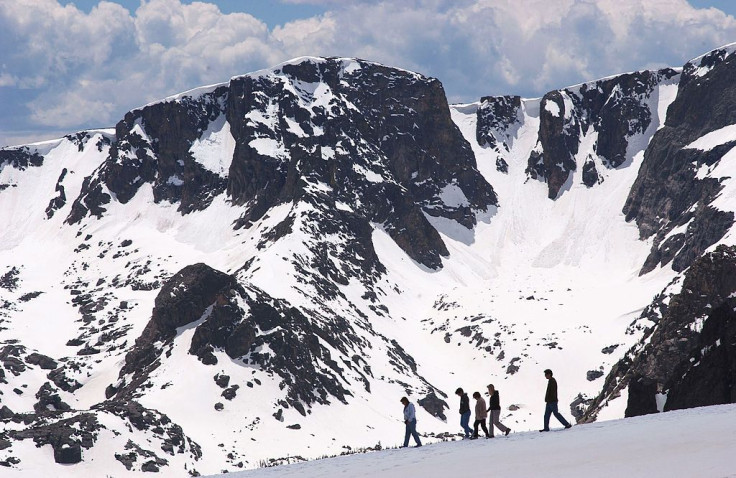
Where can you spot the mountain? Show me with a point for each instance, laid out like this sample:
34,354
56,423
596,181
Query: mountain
255,272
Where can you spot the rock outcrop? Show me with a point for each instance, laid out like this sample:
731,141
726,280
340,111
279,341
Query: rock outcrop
669,194
674,355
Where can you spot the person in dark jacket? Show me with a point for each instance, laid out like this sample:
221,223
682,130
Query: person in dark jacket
410,419
551,399
464,411
480,415
494,411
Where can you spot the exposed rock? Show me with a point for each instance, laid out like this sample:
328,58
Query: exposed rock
230,392
590,173
9,281
495,115
616,108
59,201
67,436
222,381
68,454
434,405
664,357
667,187
708,376
183,299
49,399
21,157
559,138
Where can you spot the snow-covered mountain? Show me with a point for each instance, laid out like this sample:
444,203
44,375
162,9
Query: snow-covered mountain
256,271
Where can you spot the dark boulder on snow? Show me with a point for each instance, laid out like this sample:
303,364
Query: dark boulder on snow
41,360
642,397
185,297
590,173
67,436
68,454
434,405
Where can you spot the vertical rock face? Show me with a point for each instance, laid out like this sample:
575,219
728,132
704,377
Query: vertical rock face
669,192
153,146
613,111
688,351
559,137
380,140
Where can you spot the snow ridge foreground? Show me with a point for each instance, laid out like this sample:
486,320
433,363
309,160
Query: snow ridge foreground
687,443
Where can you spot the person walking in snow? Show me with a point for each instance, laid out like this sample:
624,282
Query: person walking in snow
551,400
494,411
464,411
480,415
410,419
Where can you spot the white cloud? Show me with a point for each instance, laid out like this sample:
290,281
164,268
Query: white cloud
73,70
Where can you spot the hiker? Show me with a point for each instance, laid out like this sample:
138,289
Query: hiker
480,415
464,411
494,411
410,419
551,399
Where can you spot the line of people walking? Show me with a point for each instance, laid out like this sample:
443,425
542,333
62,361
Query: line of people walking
492,412
481,413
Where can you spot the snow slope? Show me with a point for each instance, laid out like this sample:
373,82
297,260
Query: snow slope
680,444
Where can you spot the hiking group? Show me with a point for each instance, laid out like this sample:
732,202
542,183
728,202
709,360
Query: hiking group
492,412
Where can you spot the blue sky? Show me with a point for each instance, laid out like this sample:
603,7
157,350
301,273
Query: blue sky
72,65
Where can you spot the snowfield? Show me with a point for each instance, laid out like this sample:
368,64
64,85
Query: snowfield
679,444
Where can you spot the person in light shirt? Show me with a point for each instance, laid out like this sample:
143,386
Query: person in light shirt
410,419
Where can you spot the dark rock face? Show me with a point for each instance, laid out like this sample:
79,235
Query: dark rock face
661,361
183,299
590,173
616,108
68,454
668,187
559,137
67,436
20,158
495,114
434,405
49,399
59,201
243,321
381,140
708,376
153,146
619,110
642,397
402,174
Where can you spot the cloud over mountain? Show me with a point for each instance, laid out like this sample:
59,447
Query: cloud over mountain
64,69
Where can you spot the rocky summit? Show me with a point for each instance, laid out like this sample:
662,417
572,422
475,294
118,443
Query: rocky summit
255,272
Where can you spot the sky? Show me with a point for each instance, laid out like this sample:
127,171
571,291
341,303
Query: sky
67,66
